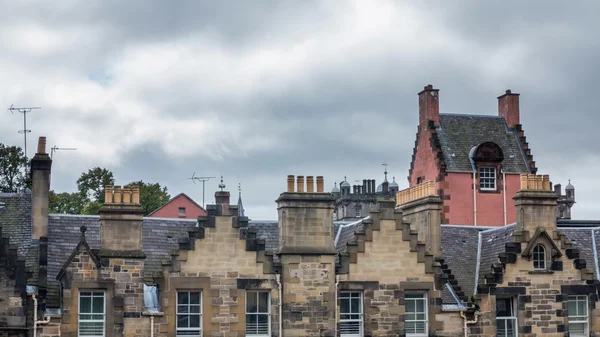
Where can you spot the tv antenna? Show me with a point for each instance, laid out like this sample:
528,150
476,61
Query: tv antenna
203,180
25,131
56,148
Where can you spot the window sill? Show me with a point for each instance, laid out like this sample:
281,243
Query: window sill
156,314
541,272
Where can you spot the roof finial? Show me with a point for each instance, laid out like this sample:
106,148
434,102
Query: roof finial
335,184
221,185
345,178
240,189
385,164
83,229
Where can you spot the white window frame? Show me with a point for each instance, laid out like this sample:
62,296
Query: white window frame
511,317
577,318
93,293
358,210
422,297
185,331
487,178
539,257
258,313
179,211
351,327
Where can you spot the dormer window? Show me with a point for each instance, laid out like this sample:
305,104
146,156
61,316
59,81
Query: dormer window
539,257
487,178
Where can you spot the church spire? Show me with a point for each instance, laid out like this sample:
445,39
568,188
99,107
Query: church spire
240,205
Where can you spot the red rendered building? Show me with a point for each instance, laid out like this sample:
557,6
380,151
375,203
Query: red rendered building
475,160
180,207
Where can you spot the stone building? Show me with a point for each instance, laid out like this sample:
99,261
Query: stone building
397,272
357,201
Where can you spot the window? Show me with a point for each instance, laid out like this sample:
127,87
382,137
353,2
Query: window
258,318
181,211
420,180
506,318
539,257
578,315
415,320
357,210
189,313
487,178
351,314
91,313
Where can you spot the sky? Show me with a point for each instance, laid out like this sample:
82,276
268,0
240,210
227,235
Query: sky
257,90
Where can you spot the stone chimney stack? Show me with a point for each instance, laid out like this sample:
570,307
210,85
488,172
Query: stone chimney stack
508,107
422,207
536,204
307,256
121,222
40,180
429,105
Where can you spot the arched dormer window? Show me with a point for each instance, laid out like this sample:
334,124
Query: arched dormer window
539,257
487,158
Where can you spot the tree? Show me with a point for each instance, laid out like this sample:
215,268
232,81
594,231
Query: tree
66,203
91,184
152,196
12,167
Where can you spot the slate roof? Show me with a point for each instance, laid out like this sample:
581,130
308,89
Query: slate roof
346,234
459,250
15,224
459,133
583,239
493,242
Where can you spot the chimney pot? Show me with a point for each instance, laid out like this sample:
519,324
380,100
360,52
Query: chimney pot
135,194
41,145
290,183
300,184
108,194
310,184
320,184
117,195
126,195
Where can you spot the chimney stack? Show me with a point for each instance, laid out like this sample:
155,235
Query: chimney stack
40,181
365,190
429,105
422,207
121,222
508,107
536,204
308,258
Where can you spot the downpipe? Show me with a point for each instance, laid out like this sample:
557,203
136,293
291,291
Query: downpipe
474,198
466,322
337,282
280,306
46,319
152,326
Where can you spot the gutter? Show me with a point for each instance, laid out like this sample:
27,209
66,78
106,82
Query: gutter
595,255
337,235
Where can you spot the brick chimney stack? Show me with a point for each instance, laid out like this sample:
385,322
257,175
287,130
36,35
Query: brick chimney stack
40,180
508,107
429,105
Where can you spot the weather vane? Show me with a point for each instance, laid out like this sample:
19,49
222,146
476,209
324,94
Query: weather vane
222,185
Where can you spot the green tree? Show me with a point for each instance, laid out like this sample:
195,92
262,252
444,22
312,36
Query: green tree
66,203
152,196
12,167
91,183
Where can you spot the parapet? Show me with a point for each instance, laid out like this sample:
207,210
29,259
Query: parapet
419,191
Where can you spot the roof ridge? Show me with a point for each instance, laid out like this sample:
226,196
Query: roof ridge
471,115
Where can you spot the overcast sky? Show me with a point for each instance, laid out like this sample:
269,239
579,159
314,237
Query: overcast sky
257,90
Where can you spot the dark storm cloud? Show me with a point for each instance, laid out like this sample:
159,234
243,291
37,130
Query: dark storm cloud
254,91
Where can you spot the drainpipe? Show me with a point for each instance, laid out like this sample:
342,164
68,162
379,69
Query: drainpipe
474,198
337,282
152,326
46,319
280,305
504,193
466,321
